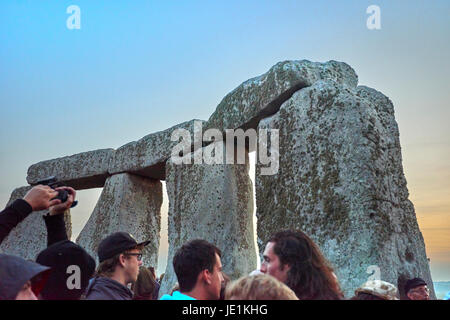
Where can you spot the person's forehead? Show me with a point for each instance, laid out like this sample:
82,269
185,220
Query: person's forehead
423,286
269,249
218,261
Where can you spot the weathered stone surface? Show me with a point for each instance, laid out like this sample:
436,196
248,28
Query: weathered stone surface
148,155
262,96
214,203
341,181
81,171
128,203
29,237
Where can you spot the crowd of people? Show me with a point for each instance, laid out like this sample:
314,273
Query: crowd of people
293,267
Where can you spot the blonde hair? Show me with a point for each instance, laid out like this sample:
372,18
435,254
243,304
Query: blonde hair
259,287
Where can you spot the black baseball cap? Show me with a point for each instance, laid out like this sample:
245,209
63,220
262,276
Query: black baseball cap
116,243
60,256
413,283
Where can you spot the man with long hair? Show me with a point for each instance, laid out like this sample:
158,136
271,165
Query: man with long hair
294,259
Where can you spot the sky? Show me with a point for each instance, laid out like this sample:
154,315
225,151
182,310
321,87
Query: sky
137,67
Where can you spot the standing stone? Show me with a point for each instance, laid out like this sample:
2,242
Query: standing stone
215,203
29,237
341,181
128,203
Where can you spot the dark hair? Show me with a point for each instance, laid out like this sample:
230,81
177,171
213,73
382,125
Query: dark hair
310,275
144,287
191,259
366,296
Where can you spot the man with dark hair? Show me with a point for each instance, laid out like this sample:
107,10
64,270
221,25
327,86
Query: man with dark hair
120,257
417,289
198,268
294,259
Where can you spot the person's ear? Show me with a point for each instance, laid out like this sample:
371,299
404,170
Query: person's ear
285,267
122,260
409,296
206,276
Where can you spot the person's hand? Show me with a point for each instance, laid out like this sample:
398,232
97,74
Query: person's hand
40,197
62,207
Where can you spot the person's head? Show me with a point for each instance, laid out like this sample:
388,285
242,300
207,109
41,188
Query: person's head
120,256
294,259
259,287
376,290
21,279
417,289
198,266
72,267
144,287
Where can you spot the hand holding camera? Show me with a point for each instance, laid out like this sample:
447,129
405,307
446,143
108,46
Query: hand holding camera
41,197
68,194
64,197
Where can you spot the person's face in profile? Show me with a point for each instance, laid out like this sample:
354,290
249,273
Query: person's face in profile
271,264
216,279
419,293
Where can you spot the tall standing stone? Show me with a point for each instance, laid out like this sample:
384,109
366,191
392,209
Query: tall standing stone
213,202
128,203
341,181
29,237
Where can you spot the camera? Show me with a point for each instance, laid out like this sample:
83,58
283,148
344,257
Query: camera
53,183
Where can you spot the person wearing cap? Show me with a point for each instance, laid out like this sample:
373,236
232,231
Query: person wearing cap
71,265
120,257
21,279
376,290
72,268
417,289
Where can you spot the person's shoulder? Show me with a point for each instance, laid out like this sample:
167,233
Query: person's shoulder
176,295
166,297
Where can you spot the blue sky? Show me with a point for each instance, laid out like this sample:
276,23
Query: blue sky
137,67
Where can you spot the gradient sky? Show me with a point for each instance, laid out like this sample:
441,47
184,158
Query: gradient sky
137,67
